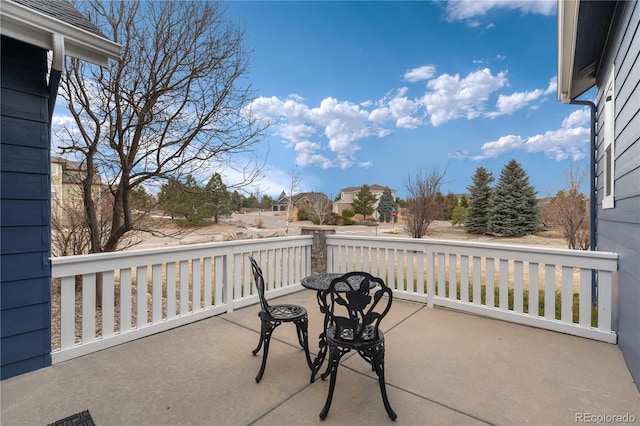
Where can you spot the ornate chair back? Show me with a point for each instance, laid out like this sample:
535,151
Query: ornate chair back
355,304
258,280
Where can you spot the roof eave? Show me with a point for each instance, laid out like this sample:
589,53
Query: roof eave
36,28
567,32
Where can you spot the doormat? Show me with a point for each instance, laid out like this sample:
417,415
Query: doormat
80,419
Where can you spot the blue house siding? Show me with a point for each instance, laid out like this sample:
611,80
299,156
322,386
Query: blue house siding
618,229
25,300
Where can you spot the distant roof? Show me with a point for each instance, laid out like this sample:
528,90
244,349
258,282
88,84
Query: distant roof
373,187
301,196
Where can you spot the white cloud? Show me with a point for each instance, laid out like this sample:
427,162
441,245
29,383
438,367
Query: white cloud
579,117
342,123
331,133
401,109
297,132
459,10
508,104
450,97
570,141
502,145
380,115
306,155
421,73
62,120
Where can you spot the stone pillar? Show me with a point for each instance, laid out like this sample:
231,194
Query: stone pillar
319,248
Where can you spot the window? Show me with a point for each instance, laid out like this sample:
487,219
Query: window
608,135
54,169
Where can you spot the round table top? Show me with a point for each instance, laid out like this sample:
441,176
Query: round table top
321,282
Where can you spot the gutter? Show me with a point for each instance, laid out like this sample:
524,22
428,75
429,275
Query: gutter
592,190
56,71
592,170
567,33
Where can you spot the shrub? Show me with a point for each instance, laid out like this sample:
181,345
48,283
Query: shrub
348,214
304,214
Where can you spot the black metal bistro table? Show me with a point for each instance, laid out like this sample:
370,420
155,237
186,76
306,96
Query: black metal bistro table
320,283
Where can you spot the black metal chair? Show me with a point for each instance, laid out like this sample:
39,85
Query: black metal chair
272,316
354,318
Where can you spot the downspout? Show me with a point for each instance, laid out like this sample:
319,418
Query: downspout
56,72
592,190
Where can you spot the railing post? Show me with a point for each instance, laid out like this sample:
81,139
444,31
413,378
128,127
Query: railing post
319,247
227,273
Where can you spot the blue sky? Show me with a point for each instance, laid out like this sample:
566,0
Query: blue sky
373,92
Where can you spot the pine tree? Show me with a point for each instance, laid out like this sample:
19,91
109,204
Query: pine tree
217,200
449,204
464,201
478,202
364,201
386,205
458,215
514,208
184,200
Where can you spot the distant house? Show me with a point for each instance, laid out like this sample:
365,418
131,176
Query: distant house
599,45
30,29
302,200
66,175
347,195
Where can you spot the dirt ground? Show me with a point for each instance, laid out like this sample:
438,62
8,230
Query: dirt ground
273,224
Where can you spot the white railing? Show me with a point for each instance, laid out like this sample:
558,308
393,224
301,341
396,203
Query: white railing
99,304
96,303
535,286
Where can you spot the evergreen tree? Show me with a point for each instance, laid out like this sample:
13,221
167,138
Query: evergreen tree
514,208
479,202
386,205
364,201
236,201
459,215
464,201
184,200
449,204
217,198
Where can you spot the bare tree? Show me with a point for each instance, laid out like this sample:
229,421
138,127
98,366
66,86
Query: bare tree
568,210
320,206
422,206
173,105
295,184
69,234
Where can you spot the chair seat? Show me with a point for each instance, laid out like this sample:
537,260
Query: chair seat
346,338
287,312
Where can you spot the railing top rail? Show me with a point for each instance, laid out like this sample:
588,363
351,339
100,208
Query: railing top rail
130,258
605,260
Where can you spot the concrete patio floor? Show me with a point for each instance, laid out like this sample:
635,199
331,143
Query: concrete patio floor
442,368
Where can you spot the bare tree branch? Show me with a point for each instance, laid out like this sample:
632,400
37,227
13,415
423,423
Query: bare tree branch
422,207
173,105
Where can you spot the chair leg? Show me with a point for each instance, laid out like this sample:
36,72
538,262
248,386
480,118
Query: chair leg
302,327
378,363
256,350
266,329
335,354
